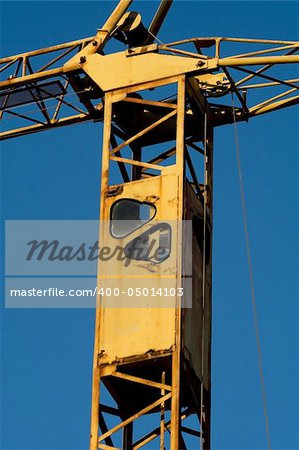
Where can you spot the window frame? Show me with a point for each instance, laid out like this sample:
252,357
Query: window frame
131,200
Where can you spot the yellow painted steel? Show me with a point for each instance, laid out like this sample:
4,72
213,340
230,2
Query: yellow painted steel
150,62
144,328
103,34
150,325
151,354
135,69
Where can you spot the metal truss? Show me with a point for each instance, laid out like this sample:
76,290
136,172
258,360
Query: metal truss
37,96
174,370
23,75
147,136
159,407
236,70
46,88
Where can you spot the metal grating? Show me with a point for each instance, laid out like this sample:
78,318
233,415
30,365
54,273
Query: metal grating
30,94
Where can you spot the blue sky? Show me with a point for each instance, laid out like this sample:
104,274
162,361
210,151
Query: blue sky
46,354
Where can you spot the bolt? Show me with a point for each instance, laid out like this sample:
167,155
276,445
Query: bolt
200,63
82,59
94,42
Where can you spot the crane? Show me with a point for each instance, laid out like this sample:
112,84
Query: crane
202,77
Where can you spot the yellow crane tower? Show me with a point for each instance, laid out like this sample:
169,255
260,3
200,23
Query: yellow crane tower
152,353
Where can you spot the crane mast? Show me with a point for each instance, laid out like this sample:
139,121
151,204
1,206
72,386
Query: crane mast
152,354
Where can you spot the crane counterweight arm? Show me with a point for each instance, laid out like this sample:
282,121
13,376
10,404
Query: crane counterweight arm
68,84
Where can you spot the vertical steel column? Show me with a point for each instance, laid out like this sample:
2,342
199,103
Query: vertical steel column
94,428
128,437
208,289
180,163
175,396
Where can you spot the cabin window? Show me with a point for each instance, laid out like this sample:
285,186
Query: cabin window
154,245
127,215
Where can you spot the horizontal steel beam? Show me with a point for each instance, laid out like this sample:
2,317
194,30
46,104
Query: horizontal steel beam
42,51
78,118
274,106
256,61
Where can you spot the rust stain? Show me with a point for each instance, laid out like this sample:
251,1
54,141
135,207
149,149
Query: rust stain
115,191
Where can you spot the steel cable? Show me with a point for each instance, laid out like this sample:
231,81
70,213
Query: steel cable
250,270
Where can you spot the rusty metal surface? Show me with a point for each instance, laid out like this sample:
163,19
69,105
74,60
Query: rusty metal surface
129,331
151,358
134,346
146,63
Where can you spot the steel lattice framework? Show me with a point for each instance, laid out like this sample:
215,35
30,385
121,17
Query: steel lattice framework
170,372
49,94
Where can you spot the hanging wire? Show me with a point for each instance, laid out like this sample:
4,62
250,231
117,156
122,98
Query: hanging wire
203,281
160,42
249,262
156,38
